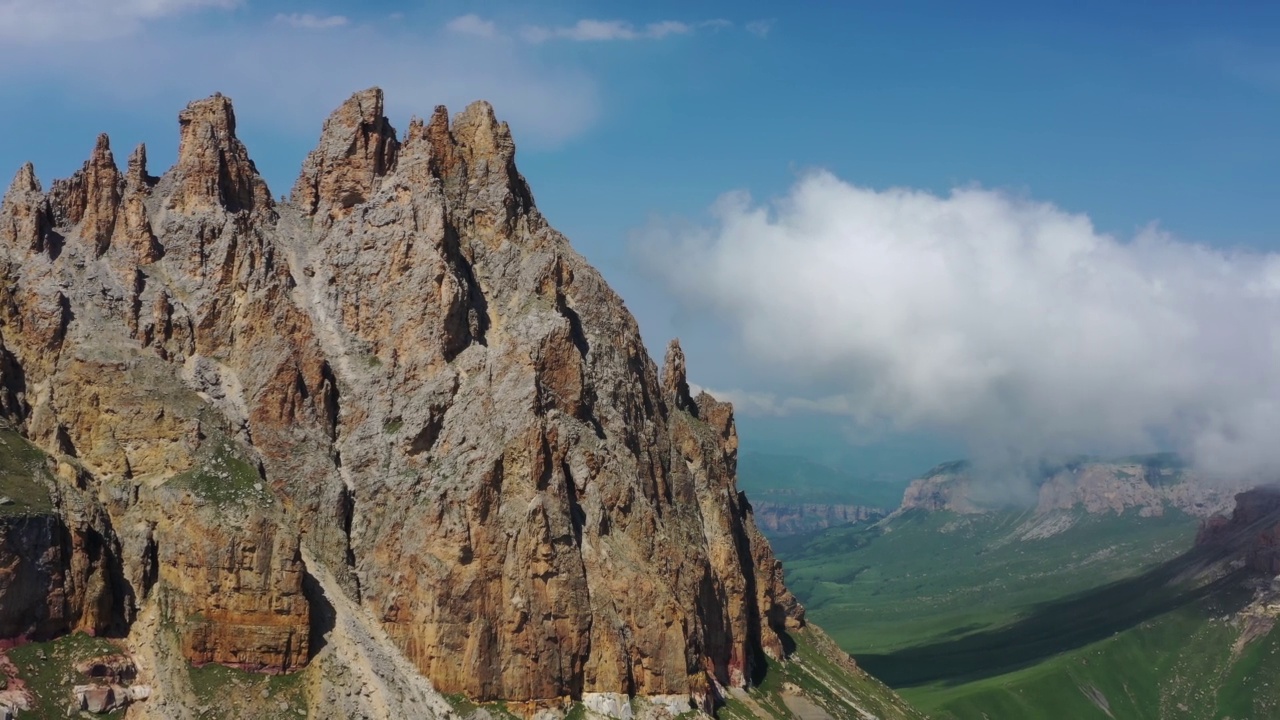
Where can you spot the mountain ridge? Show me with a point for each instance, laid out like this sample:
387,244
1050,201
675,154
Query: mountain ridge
401,379
1147,484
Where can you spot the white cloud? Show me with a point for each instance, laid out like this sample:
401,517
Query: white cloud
473,25
28,22
309,21
606,30
659,30
1011,323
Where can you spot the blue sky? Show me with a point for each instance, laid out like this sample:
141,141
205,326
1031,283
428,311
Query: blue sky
630,116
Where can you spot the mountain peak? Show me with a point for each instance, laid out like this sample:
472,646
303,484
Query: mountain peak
675,381
90,197
357,147
24,213
136,175
213,169
423,401
24,180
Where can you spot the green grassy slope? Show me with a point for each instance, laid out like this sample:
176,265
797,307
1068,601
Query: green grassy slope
928,577
821,678
1177,665
967,618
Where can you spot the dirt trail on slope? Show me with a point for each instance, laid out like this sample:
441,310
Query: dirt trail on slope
372,678
804,708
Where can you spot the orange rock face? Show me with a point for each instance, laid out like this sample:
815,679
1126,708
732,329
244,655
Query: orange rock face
238,596
90,199
404,374
214,171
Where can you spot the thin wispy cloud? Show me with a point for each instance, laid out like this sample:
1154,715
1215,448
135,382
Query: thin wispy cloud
606,30
546,100
1010,323
474,25
29,22
309,21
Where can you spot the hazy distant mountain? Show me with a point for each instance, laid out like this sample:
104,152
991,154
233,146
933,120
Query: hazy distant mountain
793,495
1148,484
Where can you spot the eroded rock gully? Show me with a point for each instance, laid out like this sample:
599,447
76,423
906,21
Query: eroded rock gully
403,373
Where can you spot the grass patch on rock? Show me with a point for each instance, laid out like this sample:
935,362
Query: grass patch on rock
48,669
221,475
24,476
225,692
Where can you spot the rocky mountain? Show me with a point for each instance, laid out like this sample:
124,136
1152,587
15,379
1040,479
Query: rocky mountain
391,437
1147,485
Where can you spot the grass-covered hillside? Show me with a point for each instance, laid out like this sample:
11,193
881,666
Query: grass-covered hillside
989,616
818,682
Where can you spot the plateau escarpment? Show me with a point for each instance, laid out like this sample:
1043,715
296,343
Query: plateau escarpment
1148,485
793,519
397,406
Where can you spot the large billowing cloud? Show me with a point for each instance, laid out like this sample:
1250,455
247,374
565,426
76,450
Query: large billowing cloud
1009,322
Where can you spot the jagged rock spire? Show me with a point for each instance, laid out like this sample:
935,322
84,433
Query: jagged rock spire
24,214
134,239
478,130
357,146
136,176
214,169
675,383
444,157
25,180
90,198
474,159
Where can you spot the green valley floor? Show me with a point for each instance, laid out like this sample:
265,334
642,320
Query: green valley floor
1009,615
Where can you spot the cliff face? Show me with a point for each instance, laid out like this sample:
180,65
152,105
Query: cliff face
1251,533
402,372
